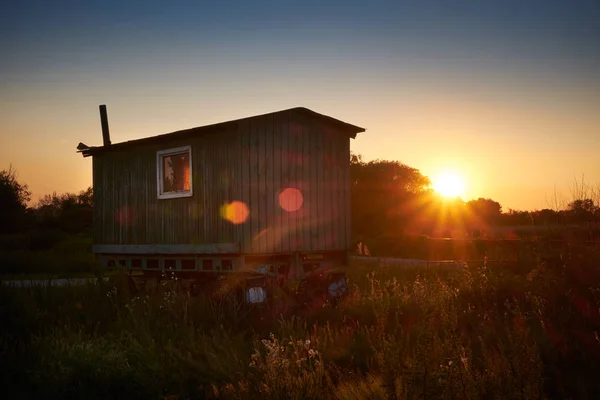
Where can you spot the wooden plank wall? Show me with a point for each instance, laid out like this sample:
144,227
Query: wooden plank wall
253,165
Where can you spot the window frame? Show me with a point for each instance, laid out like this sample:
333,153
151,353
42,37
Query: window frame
160,154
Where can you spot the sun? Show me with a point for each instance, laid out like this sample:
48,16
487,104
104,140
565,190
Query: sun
449,184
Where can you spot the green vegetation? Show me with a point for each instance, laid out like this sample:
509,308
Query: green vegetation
528,332
50,239
57,255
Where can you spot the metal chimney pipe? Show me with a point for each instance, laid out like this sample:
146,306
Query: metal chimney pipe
104,122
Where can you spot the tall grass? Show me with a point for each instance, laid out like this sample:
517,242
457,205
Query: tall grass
411,333
53,256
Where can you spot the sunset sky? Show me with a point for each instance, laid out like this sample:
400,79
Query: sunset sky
503,93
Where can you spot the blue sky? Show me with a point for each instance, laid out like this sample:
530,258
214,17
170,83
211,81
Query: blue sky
506,93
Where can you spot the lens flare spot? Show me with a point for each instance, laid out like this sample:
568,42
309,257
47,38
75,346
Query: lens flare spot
124,216
290,199
235,212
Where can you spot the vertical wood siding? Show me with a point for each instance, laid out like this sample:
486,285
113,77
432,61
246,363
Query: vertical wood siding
252,164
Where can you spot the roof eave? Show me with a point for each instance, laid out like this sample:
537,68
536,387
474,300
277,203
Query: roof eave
350,129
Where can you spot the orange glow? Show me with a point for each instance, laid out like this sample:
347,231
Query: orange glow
235,212
290,199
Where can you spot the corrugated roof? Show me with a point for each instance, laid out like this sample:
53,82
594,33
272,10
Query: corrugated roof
350,129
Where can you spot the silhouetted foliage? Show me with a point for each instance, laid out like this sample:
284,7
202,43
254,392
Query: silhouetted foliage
381,194
13,201
486,210
393,203
583,210
69,212
516,217
546,217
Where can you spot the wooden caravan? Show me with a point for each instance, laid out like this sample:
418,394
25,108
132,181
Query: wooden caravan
267,196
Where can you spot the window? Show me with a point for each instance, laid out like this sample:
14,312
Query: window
174,172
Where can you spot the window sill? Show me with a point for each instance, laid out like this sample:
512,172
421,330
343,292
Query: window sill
174,195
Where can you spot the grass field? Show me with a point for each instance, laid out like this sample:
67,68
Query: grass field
526,332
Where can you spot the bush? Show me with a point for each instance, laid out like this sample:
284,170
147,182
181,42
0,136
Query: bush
45,239
47,263
73,245
15,242
54,254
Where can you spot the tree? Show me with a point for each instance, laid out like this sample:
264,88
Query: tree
583,210
381,194
547,216
484,210
69,212
517,217
13,201
388,175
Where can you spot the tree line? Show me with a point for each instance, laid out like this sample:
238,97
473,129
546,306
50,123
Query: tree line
41,225
389,197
